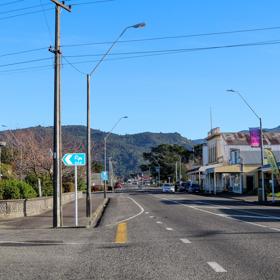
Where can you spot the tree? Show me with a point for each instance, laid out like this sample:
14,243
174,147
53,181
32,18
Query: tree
165,156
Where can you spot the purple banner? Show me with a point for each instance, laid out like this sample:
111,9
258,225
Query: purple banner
255,137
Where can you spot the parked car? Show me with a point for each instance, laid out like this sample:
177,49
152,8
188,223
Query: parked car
118,185
184,187
168,188
194,188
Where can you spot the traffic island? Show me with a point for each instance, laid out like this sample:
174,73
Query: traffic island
98,213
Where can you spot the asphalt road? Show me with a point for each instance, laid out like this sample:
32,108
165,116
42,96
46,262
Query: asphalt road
152,236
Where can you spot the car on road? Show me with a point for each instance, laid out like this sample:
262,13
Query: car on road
184,187
194,188
168,188
118,185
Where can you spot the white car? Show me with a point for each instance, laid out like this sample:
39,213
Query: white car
168,188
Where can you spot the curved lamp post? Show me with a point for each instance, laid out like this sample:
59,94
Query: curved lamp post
105,149
88,195
261,132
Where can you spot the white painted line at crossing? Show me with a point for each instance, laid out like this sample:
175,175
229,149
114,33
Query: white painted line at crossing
159,222
169,229
185,241
216,267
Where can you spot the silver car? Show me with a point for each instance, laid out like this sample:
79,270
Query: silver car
168,188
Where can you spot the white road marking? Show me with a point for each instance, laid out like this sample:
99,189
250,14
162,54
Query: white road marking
132,217
216,267
152,217
147,213
277,229
186,241
39,243
169,229
255,224
158,222
232,217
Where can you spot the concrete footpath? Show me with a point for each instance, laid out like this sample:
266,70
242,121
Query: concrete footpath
248,198
44,220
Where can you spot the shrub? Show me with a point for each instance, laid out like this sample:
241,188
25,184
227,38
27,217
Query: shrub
10,189
26,191
15,189
68,187
82,185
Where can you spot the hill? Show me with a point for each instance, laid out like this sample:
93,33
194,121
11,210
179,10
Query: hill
126,150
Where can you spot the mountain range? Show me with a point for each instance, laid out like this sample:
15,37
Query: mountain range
125,150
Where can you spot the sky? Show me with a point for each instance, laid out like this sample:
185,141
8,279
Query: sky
170,92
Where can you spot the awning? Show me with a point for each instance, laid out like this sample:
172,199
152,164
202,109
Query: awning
235,169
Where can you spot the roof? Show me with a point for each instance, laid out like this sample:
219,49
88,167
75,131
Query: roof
243,138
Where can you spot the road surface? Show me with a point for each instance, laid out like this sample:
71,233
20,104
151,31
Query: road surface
150,235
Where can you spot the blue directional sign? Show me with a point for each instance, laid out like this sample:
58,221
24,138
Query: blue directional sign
78,159
104,176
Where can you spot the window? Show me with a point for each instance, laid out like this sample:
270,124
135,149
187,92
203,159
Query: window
235,156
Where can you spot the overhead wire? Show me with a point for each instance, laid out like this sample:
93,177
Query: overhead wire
133,55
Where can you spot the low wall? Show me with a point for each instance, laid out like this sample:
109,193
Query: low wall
28,207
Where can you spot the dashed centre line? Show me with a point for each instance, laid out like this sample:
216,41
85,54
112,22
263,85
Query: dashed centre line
216,267
159,222
169,229
151,217
185,241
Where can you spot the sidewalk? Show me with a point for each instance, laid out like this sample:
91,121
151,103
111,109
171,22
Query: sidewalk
250,199
44,220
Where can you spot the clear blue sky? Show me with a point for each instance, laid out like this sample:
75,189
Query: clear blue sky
168,93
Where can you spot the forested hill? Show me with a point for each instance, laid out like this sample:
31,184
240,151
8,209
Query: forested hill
126,150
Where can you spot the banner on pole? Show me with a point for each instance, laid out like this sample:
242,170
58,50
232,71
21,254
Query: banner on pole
269,155
255,137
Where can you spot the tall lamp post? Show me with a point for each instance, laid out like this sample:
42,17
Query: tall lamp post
88,76
105,148
261,132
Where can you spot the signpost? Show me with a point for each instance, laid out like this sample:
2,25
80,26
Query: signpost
104,176
77,159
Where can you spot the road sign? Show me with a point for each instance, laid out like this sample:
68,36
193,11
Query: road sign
104,176
78,159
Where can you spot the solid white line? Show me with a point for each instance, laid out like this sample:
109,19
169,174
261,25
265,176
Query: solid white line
277,229
40,243
255,224
160,223
170,229
232,217
186,241
132,217
216,267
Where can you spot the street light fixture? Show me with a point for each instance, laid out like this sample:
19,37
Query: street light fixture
261,132
105,148
88,195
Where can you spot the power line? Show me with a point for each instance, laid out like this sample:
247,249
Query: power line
25,62
11,2
184,49
73,66
23,52
150,39
48,9
24,8
151,54
176,37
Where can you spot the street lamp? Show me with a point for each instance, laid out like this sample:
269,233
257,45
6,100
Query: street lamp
261,132
88,196
105,148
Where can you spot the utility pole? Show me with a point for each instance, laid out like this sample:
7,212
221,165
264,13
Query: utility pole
88,195
57,186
